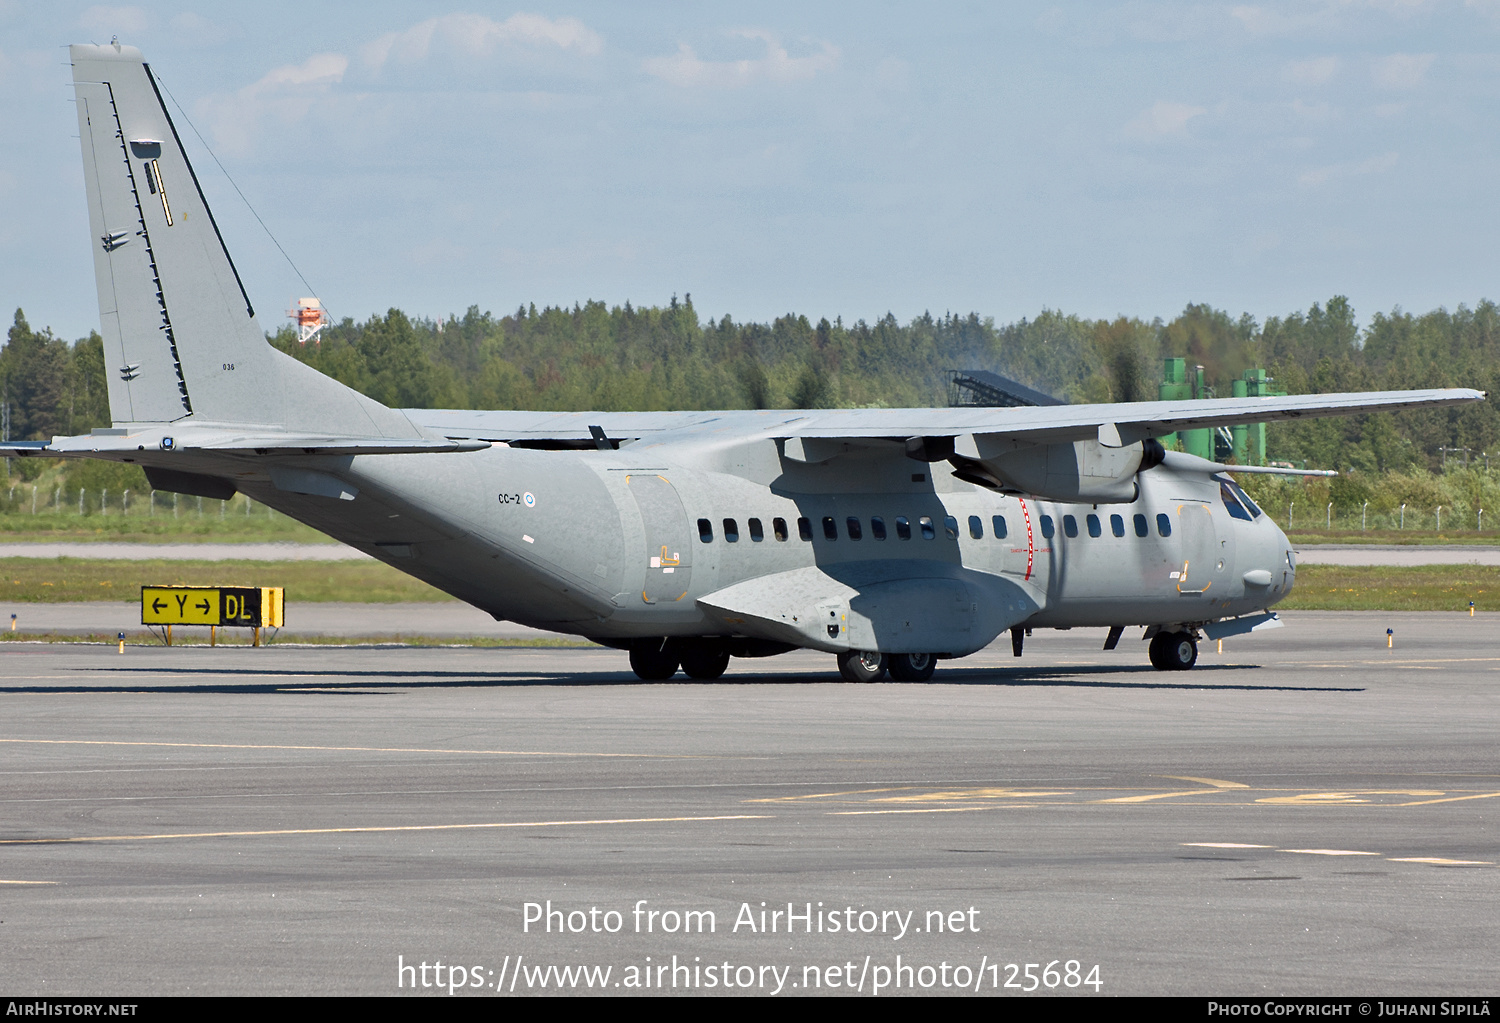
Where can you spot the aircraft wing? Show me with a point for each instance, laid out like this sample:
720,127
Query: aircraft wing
1113,424
450,430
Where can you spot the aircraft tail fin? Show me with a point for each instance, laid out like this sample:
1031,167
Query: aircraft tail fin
180,334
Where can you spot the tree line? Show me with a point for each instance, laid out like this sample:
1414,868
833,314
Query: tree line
594,356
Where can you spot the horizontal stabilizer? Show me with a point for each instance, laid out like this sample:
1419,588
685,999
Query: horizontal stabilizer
127,443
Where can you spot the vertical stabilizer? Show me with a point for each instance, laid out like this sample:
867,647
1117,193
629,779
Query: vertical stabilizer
172,311
180,335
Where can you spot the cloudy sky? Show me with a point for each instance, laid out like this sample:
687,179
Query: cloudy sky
827,158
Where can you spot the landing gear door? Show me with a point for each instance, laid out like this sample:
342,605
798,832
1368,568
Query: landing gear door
669,553
1200,545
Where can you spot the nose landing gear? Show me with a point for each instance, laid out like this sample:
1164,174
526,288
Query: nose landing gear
1173,651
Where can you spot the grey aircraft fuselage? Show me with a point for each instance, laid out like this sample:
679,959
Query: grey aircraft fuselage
625,544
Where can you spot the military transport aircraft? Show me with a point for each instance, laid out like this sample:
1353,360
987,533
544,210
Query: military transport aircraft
892,538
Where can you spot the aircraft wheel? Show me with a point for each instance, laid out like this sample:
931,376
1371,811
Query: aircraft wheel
862,665
912,667
705,665
1155,652
1174,651
653,665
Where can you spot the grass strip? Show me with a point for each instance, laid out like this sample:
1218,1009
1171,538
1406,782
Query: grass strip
66,580
160,528
1406,588
1394,537
69,580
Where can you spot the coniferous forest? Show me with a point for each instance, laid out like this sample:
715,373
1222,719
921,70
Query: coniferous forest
593,356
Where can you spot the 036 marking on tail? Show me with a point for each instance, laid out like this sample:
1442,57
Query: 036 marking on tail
891,538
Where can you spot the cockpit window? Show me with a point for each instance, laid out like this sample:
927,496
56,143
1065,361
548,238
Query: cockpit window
1233,494
1232,503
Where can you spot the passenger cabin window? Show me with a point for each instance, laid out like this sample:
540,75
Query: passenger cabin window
928,533
731,531
1163,525
830,528
903,528
778,526
976,527
804,529
705,531
950,526
1070,526
855,533
1117,525
1141,529
1093,523
1047,529
756,532
997,522
877,527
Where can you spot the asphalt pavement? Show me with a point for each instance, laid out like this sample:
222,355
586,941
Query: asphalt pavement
1309,812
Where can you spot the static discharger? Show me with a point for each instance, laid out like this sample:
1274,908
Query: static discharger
255,607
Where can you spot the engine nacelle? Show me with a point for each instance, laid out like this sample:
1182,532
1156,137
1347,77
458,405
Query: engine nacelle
1085,471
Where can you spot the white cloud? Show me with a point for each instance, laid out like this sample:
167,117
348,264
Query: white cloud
1320,15
321,69
686,68
1401,70
1316,71
1374,165
1163,119
478,36
285,93
114,20
198,30
1262,21
1313,111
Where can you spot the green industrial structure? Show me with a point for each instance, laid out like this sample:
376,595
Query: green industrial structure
1243,445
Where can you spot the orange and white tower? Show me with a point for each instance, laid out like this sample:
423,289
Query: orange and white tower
310,319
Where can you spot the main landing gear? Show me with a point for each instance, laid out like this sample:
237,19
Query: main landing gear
1173,651
869,666
862,665
657,664
657,660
